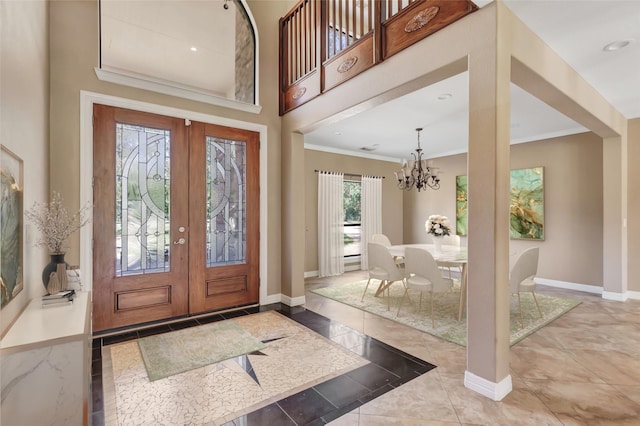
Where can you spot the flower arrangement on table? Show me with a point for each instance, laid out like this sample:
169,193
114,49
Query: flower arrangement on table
438,225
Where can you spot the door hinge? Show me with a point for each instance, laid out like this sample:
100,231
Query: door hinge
187,122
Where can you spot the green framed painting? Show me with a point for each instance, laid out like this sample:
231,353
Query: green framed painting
461,205
526,207
11,175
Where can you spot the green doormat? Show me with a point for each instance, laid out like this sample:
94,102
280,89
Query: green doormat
178,351
445,310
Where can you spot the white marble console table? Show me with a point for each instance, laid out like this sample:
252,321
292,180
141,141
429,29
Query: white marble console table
46,365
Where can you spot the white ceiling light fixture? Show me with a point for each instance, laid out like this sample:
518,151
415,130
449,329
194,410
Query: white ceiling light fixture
417,173
617,45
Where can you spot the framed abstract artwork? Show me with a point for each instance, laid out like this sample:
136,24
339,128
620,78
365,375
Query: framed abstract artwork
526,207
11,224
461,205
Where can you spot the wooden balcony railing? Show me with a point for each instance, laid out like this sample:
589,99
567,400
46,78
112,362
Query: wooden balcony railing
326,42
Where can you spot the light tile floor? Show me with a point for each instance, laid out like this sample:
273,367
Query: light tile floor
293,359
583,368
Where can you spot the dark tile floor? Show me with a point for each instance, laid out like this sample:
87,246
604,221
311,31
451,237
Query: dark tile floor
389,368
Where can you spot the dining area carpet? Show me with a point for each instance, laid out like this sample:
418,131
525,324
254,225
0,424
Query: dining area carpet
447,327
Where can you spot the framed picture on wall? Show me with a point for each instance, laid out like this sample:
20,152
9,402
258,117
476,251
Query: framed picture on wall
526,207
11,169
461,205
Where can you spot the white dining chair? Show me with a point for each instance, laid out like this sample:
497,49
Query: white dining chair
381,239
382,267
385,241
453,241
521,277
422,274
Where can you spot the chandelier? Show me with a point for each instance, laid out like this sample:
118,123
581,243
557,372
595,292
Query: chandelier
417,173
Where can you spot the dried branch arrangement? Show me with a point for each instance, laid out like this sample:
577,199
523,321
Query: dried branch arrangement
54,222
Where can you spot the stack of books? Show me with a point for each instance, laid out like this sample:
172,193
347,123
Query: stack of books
62,297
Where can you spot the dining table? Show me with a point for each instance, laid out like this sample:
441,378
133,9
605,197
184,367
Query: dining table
446,256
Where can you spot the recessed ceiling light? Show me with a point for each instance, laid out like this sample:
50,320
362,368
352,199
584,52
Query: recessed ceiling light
617,45
194,49
445,96
337,133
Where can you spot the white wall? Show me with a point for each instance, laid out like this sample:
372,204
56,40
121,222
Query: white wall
24,124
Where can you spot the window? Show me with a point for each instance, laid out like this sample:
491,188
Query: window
352,190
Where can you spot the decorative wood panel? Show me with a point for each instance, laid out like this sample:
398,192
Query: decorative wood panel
143,298
226,286
349,63
419,20
301,91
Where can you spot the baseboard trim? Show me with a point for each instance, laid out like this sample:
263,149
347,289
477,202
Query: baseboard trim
594,289
618,297
347,268
494,391
273,298
633,295
569,285
292,301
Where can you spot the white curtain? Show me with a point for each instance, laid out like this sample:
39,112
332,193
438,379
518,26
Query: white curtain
330,224
370,214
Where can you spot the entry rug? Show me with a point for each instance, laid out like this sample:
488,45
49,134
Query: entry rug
178,351
293,358
446,306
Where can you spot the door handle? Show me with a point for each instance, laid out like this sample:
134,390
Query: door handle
180,241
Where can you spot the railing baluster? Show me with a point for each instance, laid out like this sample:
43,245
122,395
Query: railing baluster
340,26
354,21
303,35
346,23
297,32
370,18
312,37
289,52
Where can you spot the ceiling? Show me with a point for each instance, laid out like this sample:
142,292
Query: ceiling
577,30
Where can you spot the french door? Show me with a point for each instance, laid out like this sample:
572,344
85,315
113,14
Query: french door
176,217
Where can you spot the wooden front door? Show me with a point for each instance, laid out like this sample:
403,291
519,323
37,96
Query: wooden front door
224,217
176,217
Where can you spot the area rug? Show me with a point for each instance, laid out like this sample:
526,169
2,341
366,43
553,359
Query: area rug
446,306
294,358
178,351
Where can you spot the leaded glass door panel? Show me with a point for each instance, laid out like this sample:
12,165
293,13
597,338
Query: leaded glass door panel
224,220
140,209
